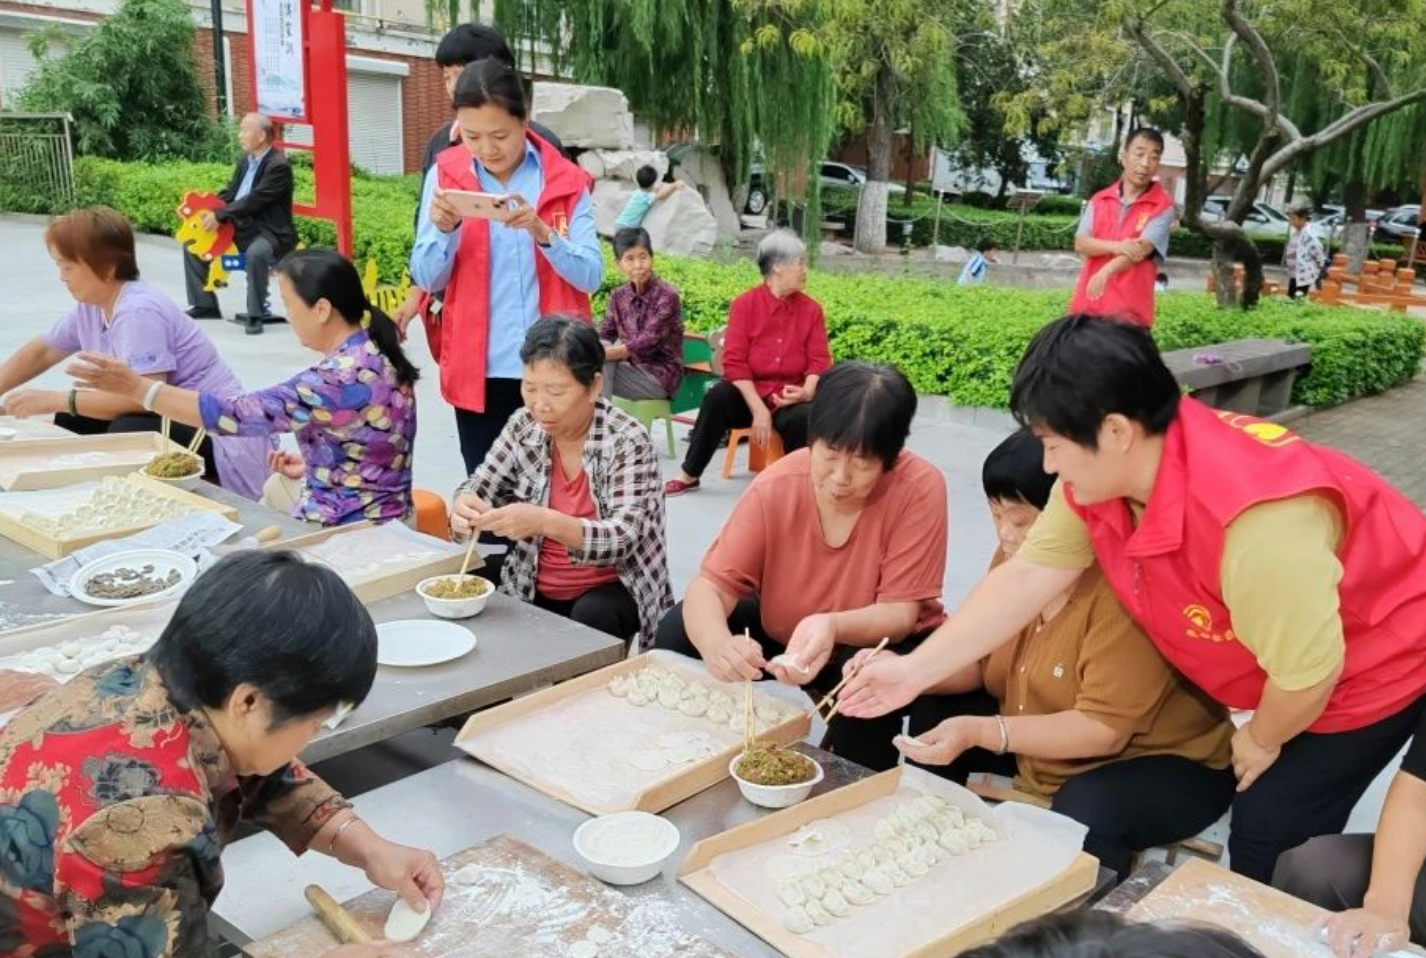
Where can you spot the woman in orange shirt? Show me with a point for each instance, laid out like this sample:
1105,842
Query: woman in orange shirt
831,549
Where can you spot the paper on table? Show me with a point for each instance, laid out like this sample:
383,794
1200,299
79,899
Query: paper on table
191,535
1034,846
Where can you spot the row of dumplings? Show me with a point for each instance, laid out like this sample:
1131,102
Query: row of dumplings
908,843
655,684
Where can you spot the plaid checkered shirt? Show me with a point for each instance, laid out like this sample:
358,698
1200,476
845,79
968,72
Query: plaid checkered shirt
627,486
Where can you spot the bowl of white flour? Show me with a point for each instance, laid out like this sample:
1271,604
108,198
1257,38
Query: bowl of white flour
626,848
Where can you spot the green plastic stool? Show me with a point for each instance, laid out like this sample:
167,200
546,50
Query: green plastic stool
646,411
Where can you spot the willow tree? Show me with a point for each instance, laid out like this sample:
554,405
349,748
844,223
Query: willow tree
895,67
747,75
1229,65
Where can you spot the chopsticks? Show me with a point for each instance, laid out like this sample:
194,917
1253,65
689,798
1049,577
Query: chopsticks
750,729
197,441
469,551
165,430
817,709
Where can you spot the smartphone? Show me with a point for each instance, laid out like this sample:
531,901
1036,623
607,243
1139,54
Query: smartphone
480,206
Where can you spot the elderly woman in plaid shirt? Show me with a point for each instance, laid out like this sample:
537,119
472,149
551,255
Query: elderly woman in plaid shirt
576,484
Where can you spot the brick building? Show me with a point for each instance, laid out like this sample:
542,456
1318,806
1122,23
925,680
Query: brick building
394,91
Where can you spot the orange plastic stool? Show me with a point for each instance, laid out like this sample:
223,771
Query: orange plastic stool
431,515
759,457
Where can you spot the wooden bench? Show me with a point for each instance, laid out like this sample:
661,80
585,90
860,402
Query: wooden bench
1251,376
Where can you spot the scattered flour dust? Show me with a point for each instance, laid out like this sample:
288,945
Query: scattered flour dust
513,901
1276,937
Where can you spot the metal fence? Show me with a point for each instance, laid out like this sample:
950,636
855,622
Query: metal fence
36,162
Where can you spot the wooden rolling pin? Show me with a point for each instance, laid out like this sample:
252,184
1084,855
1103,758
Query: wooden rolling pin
338,920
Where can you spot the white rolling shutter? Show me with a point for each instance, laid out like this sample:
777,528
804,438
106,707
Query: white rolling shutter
374,122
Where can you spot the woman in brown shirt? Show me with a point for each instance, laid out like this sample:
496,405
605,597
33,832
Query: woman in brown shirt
830,549
1097,720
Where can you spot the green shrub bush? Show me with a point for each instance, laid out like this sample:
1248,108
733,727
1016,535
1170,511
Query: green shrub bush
960,342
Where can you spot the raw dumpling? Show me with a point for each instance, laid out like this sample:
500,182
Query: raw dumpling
791,893
639,696
897,873
836,903
832,877
814,887
818,914
620,686
914,866
954,842
885,829
797,921
879,881
857,893
670,698
716,715
693,706
851,869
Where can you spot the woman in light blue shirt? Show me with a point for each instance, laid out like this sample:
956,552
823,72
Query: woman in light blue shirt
540,257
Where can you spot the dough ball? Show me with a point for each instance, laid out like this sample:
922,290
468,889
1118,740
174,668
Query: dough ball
813,887
405,923
954,842
879,881
857,893
836,903
791,893
583,949
469,875
599,935
797,921
817,912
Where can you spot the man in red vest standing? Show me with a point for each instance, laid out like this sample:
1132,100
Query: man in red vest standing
1124,236
1278,576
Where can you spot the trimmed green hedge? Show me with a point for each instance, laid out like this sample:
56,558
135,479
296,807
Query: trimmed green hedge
964,342
383,207
960,342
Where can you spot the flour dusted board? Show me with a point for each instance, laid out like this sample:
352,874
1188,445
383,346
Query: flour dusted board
33,429
47,463
1031,865
379,562
521,903
582,744
63,649
1277,924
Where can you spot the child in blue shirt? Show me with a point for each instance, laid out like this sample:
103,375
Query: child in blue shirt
644,198
979,264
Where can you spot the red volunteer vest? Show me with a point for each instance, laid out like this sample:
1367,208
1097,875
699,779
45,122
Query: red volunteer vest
1167,571
465,317
1128,295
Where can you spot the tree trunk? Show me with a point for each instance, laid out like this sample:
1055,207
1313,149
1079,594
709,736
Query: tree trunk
871,206
1356,243
1252,274
1224,250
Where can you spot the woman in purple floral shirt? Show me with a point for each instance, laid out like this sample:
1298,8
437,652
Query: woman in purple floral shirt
354,413
643,326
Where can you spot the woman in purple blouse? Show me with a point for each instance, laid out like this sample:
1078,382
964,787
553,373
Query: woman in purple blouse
354,413
643,326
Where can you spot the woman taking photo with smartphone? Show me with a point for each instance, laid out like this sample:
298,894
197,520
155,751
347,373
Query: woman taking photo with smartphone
533,253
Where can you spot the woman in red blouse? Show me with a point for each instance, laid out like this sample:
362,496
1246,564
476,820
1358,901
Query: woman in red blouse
775,349
119,790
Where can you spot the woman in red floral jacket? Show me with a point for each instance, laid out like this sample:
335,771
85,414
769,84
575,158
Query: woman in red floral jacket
118,791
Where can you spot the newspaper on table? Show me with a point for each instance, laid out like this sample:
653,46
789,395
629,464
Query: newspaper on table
192,535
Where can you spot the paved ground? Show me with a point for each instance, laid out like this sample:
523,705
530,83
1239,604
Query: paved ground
1383,431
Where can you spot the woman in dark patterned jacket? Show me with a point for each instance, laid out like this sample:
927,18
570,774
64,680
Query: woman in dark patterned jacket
119,790
576,484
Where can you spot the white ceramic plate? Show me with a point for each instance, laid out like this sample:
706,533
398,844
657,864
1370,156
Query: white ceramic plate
411,643
162,560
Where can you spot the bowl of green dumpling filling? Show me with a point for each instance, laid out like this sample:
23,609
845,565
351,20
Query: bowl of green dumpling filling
455,596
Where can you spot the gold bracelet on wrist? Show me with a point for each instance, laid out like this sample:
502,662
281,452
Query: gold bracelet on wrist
332,845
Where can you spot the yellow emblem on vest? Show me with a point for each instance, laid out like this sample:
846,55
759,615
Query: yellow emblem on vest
1200,626
1268,433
